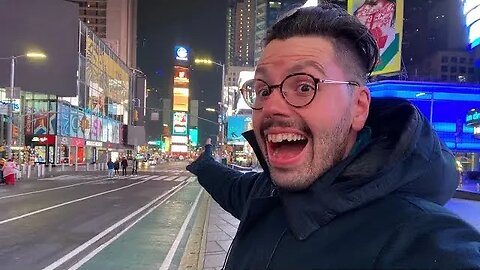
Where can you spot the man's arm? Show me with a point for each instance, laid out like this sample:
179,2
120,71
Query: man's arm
432,241
228,187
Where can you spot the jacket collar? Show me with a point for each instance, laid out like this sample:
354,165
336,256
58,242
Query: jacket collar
299,206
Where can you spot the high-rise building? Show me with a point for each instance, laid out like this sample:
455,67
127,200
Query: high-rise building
240,33
268,12
115,21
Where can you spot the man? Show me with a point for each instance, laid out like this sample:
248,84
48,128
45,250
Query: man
348,182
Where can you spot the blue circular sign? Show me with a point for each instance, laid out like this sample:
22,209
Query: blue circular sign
182,52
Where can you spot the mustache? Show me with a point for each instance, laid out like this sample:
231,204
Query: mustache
271,122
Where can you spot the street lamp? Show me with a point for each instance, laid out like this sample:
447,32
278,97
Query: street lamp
431,104
13,59
221,112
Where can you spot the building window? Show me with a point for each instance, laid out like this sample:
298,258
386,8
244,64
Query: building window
453,69
462,70
453,78
444,77
453,59
444,69
463,60
444,59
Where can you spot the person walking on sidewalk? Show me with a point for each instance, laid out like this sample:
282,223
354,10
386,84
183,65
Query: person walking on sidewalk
349,182
124,166
110,167
117,167
9,172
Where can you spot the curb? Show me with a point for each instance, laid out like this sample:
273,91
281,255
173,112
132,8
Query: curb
194,253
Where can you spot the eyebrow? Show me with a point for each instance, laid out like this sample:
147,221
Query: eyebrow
305,64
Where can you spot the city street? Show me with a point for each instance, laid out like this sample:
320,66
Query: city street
72,221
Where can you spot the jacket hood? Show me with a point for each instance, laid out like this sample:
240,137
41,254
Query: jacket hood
404,155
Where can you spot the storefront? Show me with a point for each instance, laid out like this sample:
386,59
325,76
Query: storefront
77,151
94,151
63,150
42,148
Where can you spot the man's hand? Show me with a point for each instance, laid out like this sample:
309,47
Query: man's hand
206,155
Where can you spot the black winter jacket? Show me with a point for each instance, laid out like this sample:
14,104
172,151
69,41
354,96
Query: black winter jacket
380,208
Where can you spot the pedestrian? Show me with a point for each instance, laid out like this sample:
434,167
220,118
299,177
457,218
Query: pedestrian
349,182
9,172
135,166
124,166
117,167
110,167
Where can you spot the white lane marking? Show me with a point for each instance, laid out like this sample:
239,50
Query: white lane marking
47,189
181,178
158,178
170,178
99,236
106,244
150,177
191,179
67,203
173,249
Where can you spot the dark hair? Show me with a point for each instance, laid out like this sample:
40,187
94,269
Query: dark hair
350,38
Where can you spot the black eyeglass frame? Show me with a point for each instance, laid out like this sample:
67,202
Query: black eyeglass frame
270,88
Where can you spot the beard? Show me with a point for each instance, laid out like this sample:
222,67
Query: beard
327,148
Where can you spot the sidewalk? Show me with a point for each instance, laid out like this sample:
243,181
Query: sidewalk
222,228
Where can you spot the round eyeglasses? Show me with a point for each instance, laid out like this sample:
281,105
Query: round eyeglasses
298,89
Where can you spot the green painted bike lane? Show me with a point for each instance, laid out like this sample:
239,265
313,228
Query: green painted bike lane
146,244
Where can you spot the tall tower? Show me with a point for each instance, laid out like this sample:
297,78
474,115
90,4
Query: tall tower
115,21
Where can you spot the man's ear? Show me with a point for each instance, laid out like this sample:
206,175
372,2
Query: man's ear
361,107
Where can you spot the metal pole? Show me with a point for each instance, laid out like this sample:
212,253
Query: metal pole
221,105
10,111
431,110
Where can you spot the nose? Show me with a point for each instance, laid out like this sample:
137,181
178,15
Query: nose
276,105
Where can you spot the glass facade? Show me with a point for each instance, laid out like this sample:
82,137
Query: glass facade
79,129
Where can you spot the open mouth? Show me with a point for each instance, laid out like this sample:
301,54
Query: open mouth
285,149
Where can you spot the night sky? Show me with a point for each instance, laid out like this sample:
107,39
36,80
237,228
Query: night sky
199,24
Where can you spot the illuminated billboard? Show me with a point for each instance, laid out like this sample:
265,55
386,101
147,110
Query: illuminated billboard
384,19
471,9
181,53
181,77
180,99
193,136
236,126
180,124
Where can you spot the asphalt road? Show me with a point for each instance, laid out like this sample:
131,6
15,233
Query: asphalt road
66,222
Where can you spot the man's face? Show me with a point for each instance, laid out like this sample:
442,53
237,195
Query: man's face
300,144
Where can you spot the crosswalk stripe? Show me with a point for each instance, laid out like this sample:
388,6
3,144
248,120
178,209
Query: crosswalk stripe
170,178
150,177
191,179
159,178
181,178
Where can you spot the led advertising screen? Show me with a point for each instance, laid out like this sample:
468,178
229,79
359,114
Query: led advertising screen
181,77
180,99
236,126
180,123
193,136
384,19
181,53
471,9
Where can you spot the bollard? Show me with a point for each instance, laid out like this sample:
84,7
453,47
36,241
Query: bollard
76,166
95,166
88,167
50,167
43,170
29,170
63,166
39,170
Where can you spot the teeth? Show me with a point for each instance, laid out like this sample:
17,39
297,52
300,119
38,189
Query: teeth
276,138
